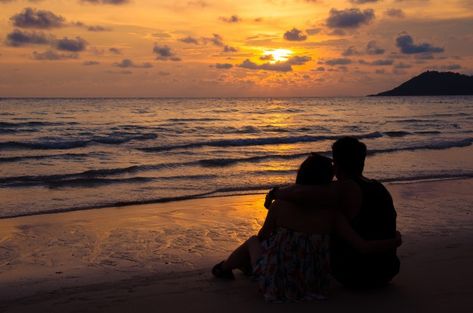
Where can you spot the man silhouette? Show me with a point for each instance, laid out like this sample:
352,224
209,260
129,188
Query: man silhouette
368,207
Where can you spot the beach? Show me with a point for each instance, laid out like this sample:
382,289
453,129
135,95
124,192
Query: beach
157,257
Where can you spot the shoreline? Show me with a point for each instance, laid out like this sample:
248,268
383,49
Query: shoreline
146,255
217,194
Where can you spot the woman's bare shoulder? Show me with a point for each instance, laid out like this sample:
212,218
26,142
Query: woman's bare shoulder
302,218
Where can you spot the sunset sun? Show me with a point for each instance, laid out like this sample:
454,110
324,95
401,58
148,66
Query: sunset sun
277,55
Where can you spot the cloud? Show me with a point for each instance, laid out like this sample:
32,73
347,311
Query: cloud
267,57
127,63
32,18
278,67
19,38
406,44
395,13
320,69
161,35
337,32
448,67
75,45
363,1
285,66
298,60
350,51
229,49
383,62
164,53
97,28
338,61
216,40
224,66
114,2
349,18
189,40
313,31
261,39
90,63
341,68
373,49
91,28
124,72
198,3
295,35
50,55
231,19
115,50
402,65
424,56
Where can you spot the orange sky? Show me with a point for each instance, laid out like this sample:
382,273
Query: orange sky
141,48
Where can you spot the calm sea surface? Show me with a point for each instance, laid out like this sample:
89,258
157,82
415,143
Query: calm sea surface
68,154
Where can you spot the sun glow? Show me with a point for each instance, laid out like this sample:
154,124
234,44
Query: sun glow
276,55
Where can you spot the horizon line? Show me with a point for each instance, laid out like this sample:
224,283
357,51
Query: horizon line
175,97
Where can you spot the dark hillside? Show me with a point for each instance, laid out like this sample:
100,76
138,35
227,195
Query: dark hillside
432,83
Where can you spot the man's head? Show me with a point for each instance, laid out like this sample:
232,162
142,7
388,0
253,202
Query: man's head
348,157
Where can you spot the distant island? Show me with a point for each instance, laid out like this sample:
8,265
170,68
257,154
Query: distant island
433,83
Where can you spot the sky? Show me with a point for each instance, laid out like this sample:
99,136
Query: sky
210,48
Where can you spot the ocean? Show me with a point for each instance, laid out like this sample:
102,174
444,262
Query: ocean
70,154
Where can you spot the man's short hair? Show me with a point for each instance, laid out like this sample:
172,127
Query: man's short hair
349,154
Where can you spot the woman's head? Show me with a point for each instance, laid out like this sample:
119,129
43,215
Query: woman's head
315,170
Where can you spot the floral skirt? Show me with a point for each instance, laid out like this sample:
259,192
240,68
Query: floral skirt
294,267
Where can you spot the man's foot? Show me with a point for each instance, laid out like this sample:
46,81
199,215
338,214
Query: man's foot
219,272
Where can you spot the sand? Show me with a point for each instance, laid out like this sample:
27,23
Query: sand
156,258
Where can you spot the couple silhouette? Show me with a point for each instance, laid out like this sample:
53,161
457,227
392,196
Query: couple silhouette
319,228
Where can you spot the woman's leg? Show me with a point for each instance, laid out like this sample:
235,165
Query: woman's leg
254,250
240,258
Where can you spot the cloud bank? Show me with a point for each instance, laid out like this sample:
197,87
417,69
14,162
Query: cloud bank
407,46
349,18
113,2
164,53
50,55
32,18
295,35
285,66
74,45
19,38
127,63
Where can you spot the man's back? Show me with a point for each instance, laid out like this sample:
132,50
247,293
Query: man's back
375,220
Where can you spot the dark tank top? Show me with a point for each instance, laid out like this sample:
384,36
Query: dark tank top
376,220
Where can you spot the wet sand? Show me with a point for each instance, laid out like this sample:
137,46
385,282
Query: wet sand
157,257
